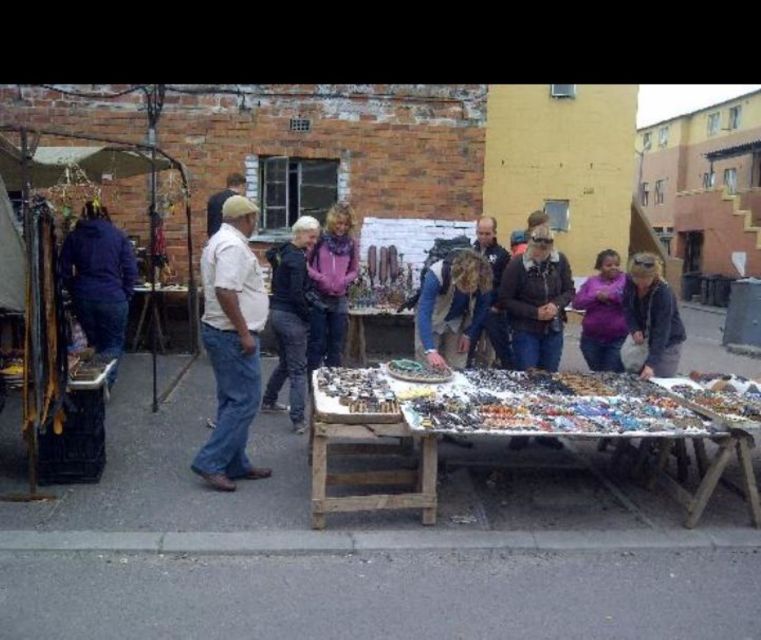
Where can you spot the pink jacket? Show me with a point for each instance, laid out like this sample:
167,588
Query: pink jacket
604,321
332,274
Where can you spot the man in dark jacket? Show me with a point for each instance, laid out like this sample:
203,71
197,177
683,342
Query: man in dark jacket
99,270
496,321
236,186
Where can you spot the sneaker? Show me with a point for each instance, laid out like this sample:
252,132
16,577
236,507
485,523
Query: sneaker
211,423
299,427
274,407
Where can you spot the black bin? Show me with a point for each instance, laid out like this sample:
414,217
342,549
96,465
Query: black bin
690,285
707,289
722,291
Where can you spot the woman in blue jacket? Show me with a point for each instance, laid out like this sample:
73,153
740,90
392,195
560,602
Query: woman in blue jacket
99,270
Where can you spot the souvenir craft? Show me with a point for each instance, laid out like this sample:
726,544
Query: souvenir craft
412,371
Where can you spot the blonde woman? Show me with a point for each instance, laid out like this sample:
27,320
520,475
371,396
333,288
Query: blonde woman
652,315
290,319
536,288
332,264
454,301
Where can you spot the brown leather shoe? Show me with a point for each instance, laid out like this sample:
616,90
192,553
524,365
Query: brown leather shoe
217,480
257,473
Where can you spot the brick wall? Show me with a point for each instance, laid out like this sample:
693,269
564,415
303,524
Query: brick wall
406,151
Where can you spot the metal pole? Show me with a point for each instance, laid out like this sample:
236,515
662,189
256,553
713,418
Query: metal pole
31,346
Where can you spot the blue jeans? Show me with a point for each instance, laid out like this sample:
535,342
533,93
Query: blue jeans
239,392
602,356
105,324
327,333
497,326
537,350
292,334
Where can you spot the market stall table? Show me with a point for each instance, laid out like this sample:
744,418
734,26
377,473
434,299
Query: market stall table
157,310
331,422
474,408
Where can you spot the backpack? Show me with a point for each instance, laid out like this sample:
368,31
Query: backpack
445,249
274,256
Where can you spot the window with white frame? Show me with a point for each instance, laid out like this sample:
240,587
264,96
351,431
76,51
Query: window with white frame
559,212
647,141
663,137
563,90
660,187
709,180
734,117
294,187
644,194
730,180
713,123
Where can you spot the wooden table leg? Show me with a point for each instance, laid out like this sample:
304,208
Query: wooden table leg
430,462
749,481
700,456
319,480
709,482
664,451
682,460
642,453
141,323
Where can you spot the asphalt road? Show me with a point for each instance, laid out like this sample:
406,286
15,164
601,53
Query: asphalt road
695,595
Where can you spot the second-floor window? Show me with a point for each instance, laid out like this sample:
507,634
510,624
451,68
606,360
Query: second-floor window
663,137
713,123
734,117
730,180
647,141
660,186
709,180
644,194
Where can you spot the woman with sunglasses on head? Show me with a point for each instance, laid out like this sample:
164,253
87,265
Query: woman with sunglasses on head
604,328
652,316
536,287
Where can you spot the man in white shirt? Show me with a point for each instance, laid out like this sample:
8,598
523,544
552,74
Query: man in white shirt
236,308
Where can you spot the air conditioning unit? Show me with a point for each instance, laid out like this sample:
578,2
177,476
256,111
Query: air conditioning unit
563,90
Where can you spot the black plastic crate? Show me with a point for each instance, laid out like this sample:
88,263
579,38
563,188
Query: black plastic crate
85,412
71,471
79,453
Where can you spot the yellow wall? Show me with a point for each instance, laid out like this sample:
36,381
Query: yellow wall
538,148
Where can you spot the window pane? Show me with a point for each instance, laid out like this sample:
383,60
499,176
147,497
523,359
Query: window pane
275,194
276,218
559,214
275,168
317,197
319,172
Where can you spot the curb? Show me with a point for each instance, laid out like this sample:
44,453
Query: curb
718,311
297,542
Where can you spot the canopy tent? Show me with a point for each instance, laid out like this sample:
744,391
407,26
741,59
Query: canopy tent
48,165
30,167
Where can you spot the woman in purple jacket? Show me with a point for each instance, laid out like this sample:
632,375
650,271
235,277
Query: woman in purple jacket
332,264
604,328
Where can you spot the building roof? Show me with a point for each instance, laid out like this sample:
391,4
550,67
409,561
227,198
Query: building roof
692,113
733,152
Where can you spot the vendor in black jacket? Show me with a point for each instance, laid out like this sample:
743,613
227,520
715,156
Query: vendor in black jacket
289,315
496,321
652,313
